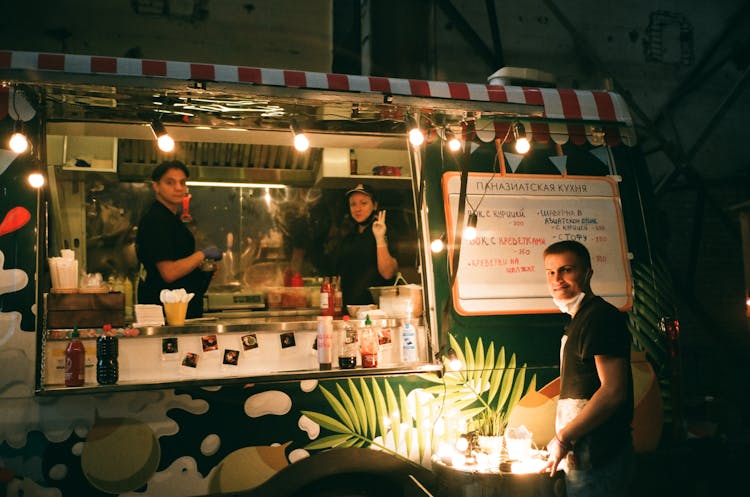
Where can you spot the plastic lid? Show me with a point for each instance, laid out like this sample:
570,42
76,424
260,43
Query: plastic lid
346,318
107,327
75,333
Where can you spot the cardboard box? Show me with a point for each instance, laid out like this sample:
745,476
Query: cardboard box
85,310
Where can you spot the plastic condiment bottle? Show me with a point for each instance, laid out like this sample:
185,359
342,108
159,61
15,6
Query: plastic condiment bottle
408,343
325,341
326,298
368,344
338,298
297,280
107,369
348,349
75,361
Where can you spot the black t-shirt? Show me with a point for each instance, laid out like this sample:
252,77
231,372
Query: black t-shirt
598,328
162,236
357,264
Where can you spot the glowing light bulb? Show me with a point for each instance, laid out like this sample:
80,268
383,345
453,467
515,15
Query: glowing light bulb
470,233
301,143
165,143
416,137
267,197
18,143
437,245
36,180
522,145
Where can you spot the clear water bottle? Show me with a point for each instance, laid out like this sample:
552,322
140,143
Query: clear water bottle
408,343
107,369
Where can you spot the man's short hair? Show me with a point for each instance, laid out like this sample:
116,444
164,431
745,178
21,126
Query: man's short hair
165,166
573,247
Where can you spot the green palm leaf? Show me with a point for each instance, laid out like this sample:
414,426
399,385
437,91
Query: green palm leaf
405,419
487,370
369,407
381,411
338,408
327,422
331,441
393,414
469,368
507,381
349,406
496,375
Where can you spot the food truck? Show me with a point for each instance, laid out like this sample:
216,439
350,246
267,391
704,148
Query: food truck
237,401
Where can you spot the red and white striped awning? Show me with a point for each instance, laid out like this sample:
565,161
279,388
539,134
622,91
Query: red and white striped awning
598,116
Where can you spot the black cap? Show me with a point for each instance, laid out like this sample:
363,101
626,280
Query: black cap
362,188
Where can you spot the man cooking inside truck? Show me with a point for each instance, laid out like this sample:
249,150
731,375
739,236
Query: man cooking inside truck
592,442
166,247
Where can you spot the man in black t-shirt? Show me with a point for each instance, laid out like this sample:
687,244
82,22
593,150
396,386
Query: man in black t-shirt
595,409
166,247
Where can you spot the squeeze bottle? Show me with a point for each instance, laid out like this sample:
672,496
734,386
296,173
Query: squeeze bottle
75,361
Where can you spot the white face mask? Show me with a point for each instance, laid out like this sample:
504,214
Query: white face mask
569,306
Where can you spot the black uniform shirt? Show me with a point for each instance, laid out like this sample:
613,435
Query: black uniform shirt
598,328
357,263
162,236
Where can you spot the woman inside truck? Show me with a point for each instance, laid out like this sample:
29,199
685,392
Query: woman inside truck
364,256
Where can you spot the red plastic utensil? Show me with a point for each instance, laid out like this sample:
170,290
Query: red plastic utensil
14,220
185,216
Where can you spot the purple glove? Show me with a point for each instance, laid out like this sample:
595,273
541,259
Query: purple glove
213,253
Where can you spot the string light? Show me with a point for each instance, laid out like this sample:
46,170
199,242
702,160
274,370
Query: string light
453,142
163,140
438,244
522,143
470,231
18,142
36,180
416,137
301,143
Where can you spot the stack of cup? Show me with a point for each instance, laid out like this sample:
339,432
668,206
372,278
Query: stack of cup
64,270
175,304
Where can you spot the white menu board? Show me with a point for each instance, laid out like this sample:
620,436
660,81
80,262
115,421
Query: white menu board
502,270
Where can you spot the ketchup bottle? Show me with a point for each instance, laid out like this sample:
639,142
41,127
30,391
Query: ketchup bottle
326,298
75,361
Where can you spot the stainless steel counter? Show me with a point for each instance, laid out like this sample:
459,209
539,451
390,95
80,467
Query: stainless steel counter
255,322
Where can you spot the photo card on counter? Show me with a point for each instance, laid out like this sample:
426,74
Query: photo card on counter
191,360
287,340
231,357
209,342
249,341
169,346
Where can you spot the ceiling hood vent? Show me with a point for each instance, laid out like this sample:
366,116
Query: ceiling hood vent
223,161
